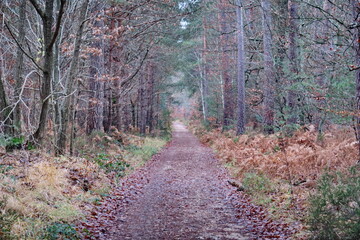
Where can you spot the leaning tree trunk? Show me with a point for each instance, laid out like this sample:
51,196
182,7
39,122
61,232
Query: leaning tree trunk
241,70
269,74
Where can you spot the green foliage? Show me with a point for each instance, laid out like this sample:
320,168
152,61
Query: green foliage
11,143
334,210
59,230
276,148
257,183
112,163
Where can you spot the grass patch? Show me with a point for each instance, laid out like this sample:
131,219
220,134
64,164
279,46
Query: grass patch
59,230
257,183
140,154
7,218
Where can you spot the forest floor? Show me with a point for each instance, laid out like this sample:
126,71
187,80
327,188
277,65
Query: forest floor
183,193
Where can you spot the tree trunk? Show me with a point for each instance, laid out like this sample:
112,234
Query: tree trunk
321,73
204,79
5,123
225,71
281,28
68,105
269,74
142,105
241,70
356,14
49,40
19,69
150,96
96,87
294,66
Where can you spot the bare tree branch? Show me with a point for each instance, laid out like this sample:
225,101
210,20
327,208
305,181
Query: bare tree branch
58,23
38,8
21,48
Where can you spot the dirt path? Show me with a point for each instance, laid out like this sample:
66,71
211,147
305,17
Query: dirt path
184,198
182,193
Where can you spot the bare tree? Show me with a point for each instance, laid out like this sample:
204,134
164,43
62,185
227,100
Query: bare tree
47,15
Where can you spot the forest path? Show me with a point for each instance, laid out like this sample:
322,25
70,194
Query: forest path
186,197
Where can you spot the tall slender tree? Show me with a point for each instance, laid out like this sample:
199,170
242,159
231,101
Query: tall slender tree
294,59
225,44
96,71
269,74
19,68
241,70
67,107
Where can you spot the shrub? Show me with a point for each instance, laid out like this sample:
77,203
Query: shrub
334,209
11,143
59,230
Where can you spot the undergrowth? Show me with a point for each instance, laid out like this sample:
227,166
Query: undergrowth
280,172
335,207
42,196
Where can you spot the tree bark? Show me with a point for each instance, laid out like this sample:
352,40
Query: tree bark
241,70
204,79
5,110
281,41
356,15
96,70
19,68
225,62
321,73
294,66
49,36
142,105
269,74
68,105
